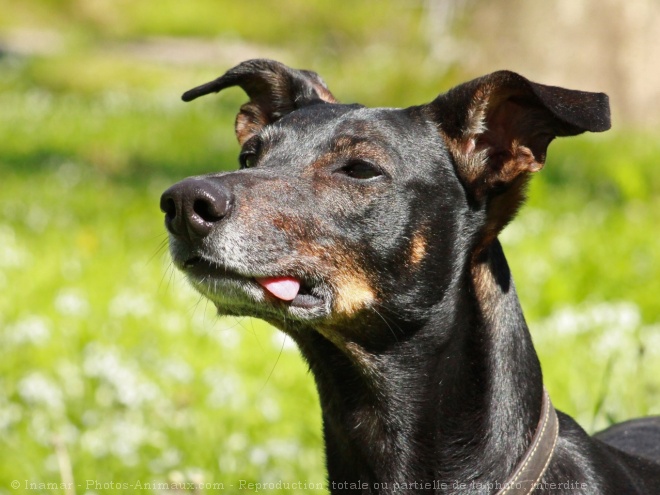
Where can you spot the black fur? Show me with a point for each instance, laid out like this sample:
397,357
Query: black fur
408,315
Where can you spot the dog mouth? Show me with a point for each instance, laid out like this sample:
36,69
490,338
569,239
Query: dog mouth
280,290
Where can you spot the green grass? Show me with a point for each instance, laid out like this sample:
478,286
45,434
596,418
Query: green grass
109,360
106,348
587,269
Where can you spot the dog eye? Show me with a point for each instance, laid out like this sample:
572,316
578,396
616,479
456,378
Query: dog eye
361,170
247,159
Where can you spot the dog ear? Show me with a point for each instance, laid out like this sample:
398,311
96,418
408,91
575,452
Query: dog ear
274,90
498,129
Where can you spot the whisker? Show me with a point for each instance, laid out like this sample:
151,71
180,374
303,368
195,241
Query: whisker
279,355
159,250
168,270
254,332
388,325
194,307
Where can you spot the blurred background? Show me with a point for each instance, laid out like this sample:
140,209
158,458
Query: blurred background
113,370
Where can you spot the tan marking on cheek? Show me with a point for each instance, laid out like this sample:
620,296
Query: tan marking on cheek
417,248
352,288
353,294
485,287
365,360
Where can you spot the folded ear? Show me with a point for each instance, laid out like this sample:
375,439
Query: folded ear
498,129
274,90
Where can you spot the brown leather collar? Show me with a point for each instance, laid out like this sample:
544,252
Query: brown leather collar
533,465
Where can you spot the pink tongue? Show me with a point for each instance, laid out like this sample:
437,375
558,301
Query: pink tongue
285,288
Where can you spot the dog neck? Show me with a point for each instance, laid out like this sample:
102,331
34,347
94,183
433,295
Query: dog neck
456,401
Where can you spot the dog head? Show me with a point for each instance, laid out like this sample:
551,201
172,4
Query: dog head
341,214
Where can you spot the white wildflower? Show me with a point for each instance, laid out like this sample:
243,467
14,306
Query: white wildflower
95,442
130,303
270,409
37,218
168,459
225,389
32,329
71,377
625,316
10,414
12,254
38,389
131,388
172,322
236,442
283,341
71,302
126,439
650,336
284,449
177,370
259,456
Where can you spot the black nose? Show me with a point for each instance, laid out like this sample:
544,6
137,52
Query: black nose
193,206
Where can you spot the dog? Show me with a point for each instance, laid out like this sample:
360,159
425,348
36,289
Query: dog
369,236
